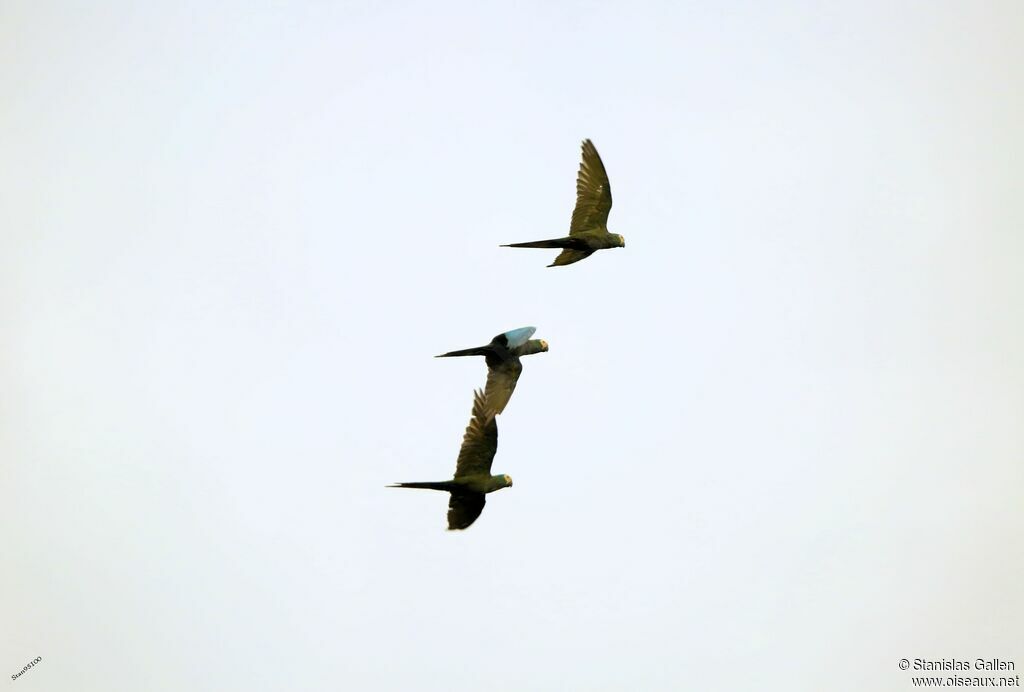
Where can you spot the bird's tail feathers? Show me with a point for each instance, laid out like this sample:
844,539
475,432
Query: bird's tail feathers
477,351
427,485
553,243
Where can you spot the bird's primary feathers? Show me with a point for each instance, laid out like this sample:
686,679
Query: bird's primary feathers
503,365
473,479
588,230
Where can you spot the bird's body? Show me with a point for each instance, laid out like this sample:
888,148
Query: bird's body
473,479
588,231
479,483
503,364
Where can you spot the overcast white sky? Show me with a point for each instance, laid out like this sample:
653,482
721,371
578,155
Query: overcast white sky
776,443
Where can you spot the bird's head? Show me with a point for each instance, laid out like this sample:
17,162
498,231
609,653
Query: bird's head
497,483
622,241
532,346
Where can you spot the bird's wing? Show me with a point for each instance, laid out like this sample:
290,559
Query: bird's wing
593,193
570,256
514,338
464,506
501,382
480,443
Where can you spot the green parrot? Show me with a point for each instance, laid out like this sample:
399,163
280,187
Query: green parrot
588,230
473,479
503,366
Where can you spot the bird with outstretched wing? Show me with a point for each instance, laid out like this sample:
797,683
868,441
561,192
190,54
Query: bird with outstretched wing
473,479
588,230
503,364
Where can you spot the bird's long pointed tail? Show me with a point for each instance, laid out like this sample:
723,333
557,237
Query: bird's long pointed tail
477,351
427,485
553,243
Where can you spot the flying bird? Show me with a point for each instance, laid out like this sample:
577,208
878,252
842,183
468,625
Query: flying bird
588,231
473,479
503,366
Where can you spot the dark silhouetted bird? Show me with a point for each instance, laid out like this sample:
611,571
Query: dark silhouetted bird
503,366
473,479
588,231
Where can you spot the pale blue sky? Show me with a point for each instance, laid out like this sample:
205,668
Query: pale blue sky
776,443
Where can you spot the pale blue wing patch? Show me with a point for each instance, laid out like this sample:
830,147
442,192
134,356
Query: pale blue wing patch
518,337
